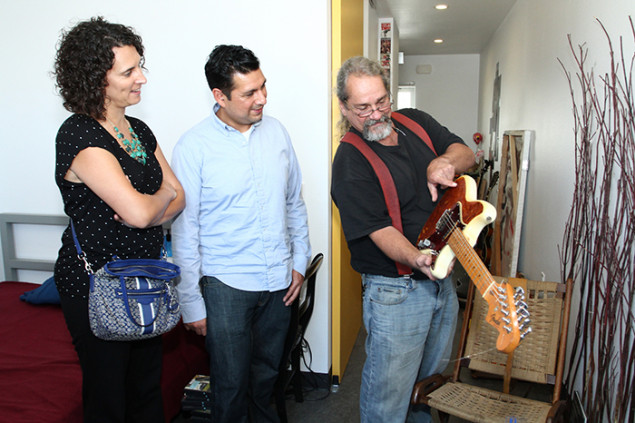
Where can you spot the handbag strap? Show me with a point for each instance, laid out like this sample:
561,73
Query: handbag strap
81,255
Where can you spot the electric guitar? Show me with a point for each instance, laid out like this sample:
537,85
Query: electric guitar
451,231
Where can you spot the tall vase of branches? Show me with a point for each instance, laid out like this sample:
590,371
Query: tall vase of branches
597,249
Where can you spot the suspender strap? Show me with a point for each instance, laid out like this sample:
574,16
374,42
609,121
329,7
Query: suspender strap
385,178
387,186
414,127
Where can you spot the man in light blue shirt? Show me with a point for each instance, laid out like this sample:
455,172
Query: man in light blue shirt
242,241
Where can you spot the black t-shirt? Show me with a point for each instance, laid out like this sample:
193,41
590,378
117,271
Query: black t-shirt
100,236
356,191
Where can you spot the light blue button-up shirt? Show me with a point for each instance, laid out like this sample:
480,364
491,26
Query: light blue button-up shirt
245,221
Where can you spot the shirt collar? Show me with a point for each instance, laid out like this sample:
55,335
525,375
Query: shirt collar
220,124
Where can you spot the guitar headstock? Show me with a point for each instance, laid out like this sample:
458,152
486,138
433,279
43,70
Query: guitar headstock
508,313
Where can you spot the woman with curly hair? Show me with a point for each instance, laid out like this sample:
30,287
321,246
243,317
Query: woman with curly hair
118,189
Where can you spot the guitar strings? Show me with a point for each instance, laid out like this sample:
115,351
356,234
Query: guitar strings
473,355
476,266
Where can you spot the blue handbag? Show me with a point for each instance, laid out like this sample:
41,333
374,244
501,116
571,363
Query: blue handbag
131,299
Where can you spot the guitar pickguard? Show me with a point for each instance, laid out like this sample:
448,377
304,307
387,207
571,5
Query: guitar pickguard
458,208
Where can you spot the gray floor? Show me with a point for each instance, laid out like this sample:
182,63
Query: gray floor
342,406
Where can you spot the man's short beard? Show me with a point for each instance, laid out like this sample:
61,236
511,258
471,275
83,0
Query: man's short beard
380,132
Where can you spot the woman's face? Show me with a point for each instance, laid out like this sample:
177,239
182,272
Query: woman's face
124,79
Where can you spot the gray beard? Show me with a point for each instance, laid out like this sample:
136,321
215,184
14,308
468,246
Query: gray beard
377,134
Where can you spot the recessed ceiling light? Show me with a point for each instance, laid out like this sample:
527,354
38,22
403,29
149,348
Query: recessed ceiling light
441,6
438,41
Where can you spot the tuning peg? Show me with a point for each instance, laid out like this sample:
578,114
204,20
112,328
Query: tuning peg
522,311
519,290
523,324
506,320
525,333
508,329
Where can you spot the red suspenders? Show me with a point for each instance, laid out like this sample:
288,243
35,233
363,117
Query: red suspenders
385,178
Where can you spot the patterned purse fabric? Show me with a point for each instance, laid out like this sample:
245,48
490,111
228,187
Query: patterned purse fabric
133,299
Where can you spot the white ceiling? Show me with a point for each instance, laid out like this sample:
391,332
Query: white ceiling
465,26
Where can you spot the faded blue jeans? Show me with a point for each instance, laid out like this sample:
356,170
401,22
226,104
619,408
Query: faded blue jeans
245,339
410,325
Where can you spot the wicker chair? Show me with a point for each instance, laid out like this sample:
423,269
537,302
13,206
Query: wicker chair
538,359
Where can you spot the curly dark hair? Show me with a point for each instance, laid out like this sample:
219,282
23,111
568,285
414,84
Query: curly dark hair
83,58
226,60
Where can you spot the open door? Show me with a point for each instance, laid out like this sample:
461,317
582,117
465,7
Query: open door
347,39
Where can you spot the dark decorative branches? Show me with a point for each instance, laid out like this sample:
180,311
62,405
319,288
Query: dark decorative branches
597,249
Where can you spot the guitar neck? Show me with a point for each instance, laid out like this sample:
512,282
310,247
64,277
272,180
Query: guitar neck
471,262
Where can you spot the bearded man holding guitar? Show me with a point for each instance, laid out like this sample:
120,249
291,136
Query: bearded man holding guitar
409,314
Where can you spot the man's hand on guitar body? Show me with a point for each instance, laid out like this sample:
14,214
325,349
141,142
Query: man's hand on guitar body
423,263
440,176
398,248
441,171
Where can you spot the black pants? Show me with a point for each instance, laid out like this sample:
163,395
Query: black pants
120,379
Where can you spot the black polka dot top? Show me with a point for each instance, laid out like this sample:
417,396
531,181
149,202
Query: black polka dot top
100,236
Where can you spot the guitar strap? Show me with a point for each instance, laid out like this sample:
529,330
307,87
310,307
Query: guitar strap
383,174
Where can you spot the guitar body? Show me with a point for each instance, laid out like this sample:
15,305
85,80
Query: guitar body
465,211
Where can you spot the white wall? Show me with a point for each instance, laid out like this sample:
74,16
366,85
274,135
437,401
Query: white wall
535,95
292,43
449,93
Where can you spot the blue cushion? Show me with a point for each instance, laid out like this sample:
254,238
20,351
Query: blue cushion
44,294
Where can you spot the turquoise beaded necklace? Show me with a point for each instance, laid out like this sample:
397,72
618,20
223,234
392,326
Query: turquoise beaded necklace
133,147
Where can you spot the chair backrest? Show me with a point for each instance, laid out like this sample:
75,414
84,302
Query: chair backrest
307,301
537,357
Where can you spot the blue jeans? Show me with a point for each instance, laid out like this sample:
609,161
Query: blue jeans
245,339
410,325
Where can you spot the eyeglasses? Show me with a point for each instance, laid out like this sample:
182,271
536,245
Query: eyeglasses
366,110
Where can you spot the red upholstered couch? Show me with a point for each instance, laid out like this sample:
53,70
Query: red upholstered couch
40,378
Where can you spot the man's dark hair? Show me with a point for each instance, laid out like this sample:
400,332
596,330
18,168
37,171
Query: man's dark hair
226,60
